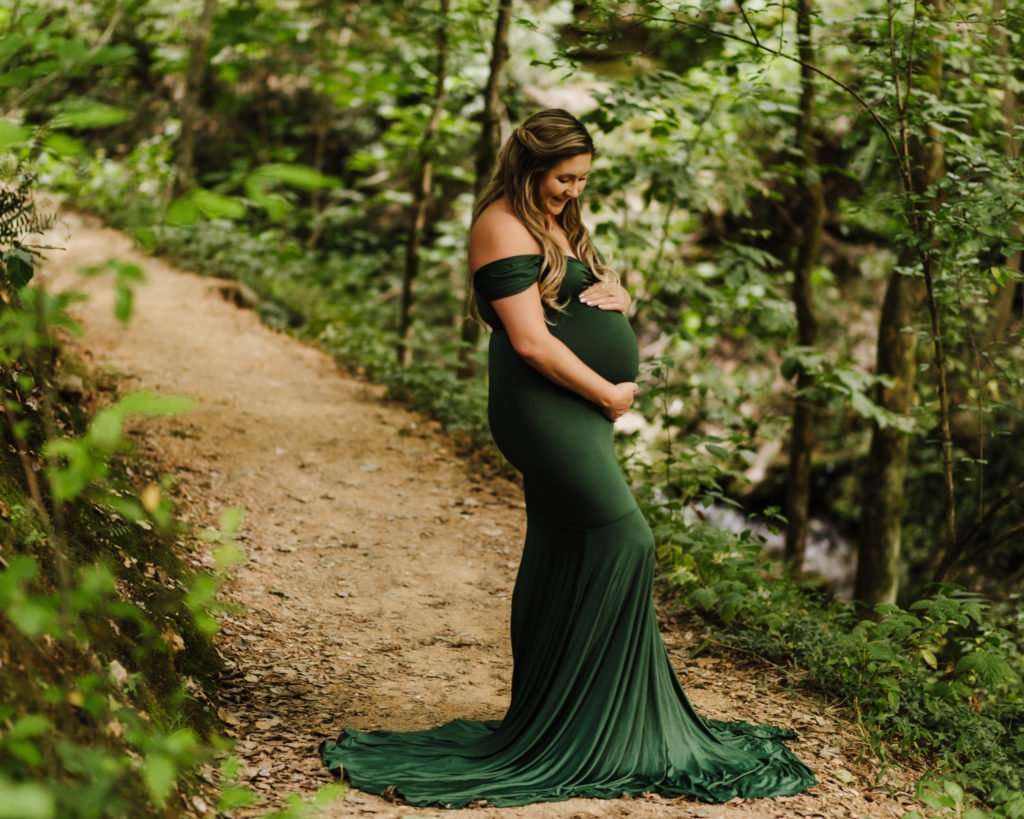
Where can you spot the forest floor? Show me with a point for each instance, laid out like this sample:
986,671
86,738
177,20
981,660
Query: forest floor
379,569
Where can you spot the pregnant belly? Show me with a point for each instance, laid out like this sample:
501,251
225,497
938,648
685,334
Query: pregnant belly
603,339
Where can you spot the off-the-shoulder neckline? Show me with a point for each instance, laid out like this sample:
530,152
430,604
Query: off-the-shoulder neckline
524,256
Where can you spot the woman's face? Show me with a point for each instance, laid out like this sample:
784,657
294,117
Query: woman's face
563,182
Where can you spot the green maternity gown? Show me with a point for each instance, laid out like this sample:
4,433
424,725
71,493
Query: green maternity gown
596,709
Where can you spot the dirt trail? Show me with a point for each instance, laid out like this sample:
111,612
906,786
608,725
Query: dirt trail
377,587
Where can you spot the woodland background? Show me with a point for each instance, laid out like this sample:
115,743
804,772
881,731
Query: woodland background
817,209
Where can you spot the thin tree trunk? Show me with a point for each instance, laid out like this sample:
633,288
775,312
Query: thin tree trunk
812,212
325,104
321,123
999,321
423,189
882,490
878,556
190,111
490,122
322,128
995,332
932,167
487,151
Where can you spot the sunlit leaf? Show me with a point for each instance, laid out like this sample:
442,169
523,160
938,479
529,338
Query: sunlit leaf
11,134
217,206
297,176
86,114
159,773
146,402
26,800
64,145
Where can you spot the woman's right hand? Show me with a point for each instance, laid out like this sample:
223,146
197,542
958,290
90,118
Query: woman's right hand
620,399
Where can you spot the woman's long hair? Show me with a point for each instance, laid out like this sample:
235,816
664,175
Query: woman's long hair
543,140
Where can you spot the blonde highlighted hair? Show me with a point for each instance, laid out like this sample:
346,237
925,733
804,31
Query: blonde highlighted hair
543,140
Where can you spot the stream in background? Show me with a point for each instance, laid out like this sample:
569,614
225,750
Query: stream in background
829,555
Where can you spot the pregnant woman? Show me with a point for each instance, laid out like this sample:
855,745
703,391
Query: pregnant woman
596,708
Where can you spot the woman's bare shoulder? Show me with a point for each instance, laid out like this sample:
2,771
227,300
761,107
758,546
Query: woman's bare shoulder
498,233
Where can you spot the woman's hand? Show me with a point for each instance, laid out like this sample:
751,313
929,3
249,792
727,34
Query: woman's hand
607,296
620,399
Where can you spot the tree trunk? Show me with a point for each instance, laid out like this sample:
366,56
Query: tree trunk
197,61
812,217
999,321
882,490
878,556
487,150
422,190
995,333
324,115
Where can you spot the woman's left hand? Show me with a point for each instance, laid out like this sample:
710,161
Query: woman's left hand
607,296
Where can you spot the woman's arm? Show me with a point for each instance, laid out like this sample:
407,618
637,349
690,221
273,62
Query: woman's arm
497,235
522,315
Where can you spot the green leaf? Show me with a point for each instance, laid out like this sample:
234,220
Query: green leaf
235,796
87,114
955,792
936,800
30,725
20,569
126,507
12,43
227,555
230,519
26,801
159,773
64,145
991,669
217,206
19,267
105,428
123,304
1014,808
182,212
95,580
276,206
68,482
11,134
881,650
297,176
26,751
32,616
146,402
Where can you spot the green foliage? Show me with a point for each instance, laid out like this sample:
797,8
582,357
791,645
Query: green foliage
313,120
940,681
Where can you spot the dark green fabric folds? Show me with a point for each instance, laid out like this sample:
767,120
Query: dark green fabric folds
506,277
596,709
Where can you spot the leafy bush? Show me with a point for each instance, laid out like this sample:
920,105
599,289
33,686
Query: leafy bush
939,682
